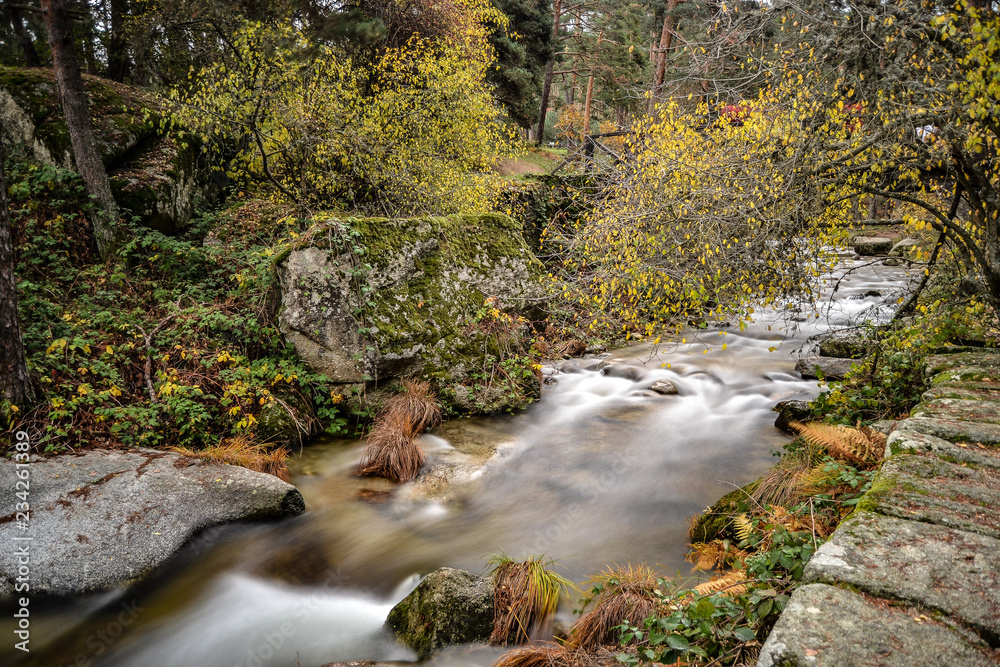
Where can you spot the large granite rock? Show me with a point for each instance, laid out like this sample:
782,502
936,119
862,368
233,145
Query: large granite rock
441,301
155,174
845,343
826,368
104,519
872,245
904,248
448,607
940,568
824,625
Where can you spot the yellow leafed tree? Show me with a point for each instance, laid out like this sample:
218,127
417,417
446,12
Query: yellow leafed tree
409,129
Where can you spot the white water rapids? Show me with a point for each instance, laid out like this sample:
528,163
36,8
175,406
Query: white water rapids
599,471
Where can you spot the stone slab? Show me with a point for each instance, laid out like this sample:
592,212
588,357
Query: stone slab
923,487
908,436
106,518
979,391
956,430
825,625
962,409
985,362
940,568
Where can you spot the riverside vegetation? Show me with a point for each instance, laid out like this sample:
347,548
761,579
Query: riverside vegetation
358,143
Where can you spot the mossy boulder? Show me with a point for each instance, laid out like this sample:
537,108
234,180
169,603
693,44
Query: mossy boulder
448,607
155,173
716,523
846,344
449,299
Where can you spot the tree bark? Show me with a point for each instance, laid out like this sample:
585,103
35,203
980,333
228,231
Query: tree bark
547,83
666,42
73,97
24,40
15,383
119,63
586,104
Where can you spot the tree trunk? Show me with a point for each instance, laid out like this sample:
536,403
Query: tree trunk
24,40
586,105
666,41
119,63
549,68
15,384
75,110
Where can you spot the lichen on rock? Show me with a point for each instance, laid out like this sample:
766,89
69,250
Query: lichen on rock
447,299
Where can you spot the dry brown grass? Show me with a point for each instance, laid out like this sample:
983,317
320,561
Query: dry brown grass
783,483
416,407
628,595
243,451
525,598
553,655
391,452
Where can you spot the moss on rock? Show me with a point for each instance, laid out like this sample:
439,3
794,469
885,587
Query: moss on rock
448,299
716,523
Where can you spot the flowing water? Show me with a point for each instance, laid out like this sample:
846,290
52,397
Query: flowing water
600,471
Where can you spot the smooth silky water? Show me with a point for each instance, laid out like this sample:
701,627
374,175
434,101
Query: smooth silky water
599,471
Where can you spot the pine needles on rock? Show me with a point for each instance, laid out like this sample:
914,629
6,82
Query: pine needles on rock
243,451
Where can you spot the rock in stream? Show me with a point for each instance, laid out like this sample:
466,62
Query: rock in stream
106,518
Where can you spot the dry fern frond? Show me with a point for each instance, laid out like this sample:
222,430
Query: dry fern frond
713,555
391,453
629,594
730,583
860,447
244,452
416,407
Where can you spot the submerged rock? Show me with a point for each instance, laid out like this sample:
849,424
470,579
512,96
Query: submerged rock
448,607
791,411
445,299
663,387
104,519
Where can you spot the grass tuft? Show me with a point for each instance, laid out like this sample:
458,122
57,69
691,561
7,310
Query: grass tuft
526,595
625,593
416,406
391,452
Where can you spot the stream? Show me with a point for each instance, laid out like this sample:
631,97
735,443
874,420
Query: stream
599,471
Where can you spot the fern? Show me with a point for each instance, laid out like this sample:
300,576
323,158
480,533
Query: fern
731,584
858,446
744,527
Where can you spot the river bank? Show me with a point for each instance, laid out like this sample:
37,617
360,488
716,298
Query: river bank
912,577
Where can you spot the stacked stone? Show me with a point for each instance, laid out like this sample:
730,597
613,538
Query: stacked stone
913,576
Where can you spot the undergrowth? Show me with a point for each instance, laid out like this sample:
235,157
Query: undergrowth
170,341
